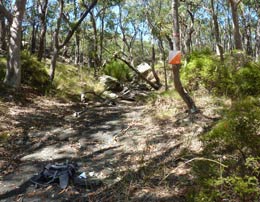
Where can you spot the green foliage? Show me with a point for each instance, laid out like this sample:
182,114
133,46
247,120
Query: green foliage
34,73
2,68
239,130
236,77
203,68
119,70
247,80
236,141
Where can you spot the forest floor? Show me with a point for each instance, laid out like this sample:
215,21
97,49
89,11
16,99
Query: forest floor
138,156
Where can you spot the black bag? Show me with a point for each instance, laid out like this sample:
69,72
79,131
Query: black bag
59,173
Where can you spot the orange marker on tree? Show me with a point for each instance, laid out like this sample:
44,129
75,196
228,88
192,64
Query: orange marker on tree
175,57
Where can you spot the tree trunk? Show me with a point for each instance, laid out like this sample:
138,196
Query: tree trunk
237,36
157,79
161,47
219,47
43,14
53,63
77,37
176,68
95,41
69,35
3,44
258,36
56,43
77,49
101,40
190,32
13,73
33,39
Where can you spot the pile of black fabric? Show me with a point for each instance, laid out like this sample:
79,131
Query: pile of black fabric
64,174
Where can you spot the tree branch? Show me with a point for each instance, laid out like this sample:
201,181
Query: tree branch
75,27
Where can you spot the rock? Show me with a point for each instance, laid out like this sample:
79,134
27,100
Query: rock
144,68
111,83
110,95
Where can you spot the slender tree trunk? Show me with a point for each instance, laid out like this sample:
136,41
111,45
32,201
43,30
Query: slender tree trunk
3,44
69,35
190,32
53,63
95,41
77,49
13,73
157,79
77,37
161,47
56,43
247,39
33,39
176,68
43,14
258,36
237,36
219,47
101,41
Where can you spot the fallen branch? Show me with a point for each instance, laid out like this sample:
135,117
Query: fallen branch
189,161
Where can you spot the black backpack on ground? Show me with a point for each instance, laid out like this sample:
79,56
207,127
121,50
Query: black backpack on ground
59,173
63,174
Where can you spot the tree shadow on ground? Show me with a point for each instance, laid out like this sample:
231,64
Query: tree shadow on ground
92,129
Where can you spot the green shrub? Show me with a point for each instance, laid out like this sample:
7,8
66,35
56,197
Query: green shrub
118,70
239,130
34,72
236,78
2,68
235,140
203,68
247,80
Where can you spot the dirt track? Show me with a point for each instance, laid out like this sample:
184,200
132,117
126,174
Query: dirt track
122,145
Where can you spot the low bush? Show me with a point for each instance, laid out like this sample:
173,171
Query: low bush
235,141
34,72
119,70
234,79
2,68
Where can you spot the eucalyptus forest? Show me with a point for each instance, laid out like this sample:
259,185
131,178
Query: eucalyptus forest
130,100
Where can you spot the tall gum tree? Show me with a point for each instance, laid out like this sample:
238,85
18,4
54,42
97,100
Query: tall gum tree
43,8
258,34
13,73
176,68
237,35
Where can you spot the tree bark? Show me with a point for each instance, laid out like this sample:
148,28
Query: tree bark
3,44
33,39
56,42
43,14
190,32
157,79
219,47
176,68
13,73
237,36
258,36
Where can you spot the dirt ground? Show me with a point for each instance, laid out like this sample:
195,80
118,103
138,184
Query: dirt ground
137,156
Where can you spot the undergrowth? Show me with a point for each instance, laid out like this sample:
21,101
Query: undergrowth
235,142
236,78
118,70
